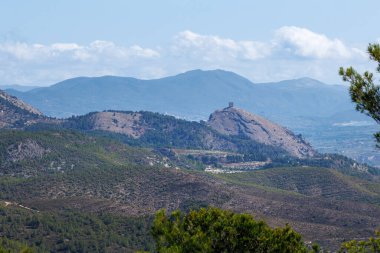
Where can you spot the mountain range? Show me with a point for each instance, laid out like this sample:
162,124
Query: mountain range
322,113
192,95
101,176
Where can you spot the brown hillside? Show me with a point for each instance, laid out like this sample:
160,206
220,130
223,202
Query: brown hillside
234,121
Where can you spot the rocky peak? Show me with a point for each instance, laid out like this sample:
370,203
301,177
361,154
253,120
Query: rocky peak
235,121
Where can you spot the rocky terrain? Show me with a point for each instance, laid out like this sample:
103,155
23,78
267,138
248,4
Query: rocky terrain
234,121
118,122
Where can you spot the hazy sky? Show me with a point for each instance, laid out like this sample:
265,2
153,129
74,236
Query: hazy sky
42,42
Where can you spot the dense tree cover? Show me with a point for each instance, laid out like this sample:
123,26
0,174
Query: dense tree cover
215,230
72,231
364,92
372,245
205,230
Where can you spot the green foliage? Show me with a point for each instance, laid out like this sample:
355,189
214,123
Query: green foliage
164,131
372,245
12,246
216,230
363,91
72,231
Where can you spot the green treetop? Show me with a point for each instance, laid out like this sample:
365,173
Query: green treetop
364,92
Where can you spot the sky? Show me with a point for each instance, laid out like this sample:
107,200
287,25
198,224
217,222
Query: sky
43,42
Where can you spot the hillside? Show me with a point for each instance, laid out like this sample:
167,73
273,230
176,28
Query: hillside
305,105
235,122
71,172
69,165
188,95
153,130
258,142
15,113
147,129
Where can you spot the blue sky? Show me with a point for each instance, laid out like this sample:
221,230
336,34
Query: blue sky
43,42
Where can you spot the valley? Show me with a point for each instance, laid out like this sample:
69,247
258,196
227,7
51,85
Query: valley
189,126
107,173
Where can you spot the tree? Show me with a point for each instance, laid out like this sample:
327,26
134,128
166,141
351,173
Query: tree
372,245
363,91
215,230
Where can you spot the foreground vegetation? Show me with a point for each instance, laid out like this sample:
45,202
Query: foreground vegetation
73,231
216,230
203,230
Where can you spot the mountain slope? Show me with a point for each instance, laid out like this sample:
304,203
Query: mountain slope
303,105
75,172
233,121
273,145
16,113
68,165
192,94
155,130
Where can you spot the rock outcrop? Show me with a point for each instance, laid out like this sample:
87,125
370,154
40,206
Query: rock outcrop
233,121
119,122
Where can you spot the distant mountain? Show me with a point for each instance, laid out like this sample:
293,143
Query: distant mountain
193,95
17,87
306,106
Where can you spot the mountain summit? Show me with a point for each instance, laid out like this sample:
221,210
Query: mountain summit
191,95
237,122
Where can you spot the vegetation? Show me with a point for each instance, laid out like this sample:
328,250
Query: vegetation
167,132
164,131
12,246
111,179
203,230
72,231
363,90
310,181
372,245
216,230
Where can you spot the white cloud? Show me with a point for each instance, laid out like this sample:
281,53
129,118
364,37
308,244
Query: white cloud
305,43
97,49
292,52
65,46
212,48
43,64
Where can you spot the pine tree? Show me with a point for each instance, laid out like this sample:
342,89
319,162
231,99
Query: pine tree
364,92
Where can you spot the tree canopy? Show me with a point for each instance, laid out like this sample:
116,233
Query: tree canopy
215,230
363,91
372,245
